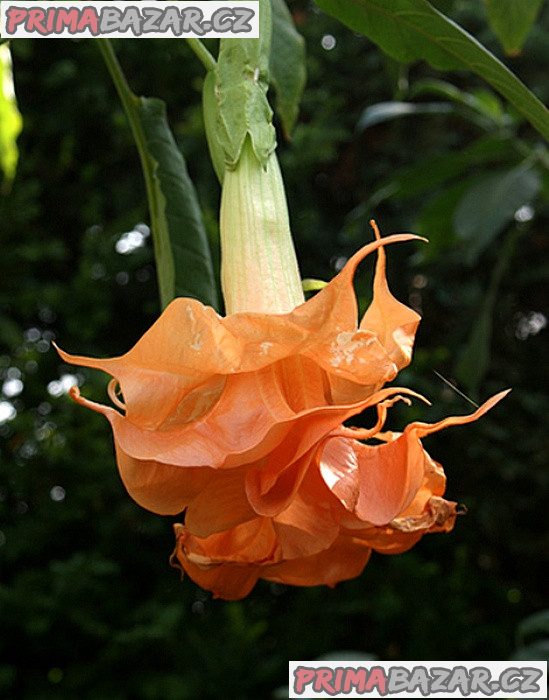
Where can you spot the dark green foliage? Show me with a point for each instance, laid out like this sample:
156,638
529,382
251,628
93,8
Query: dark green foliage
89,606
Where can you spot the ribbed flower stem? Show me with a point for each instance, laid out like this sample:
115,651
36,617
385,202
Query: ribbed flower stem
259,269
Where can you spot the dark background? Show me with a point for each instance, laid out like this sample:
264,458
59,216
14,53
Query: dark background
89,606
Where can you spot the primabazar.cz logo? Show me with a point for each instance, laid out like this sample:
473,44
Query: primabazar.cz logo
151,19
418,679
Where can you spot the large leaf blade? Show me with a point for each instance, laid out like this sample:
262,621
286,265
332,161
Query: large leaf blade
182,253
411,30
181,242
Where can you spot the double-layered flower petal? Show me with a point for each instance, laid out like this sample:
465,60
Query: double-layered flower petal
238,421
353,499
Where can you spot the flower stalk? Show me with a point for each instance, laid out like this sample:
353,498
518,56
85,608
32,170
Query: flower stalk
259,270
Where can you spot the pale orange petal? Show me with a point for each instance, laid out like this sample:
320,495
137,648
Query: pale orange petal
438,515
253,542
221,506
385,478
304,529
394,323
161,488
388,540
344,560
271,487
423,429
228,564
378,483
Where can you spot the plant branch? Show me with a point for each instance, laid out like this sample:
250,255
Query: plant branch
206,58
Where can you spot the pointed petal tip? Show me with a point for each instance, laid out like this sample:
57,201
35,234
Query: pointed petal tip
60,352
378,236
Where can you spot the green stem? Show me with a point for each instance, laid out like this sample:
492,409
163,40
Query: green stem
130,102
206,58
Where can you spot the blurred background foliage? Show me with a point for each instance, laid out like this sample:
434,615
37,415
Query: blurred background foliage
88,603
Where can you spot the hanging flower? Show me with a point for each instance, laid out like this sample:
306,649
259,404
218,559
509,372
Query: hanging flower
353,499
222,416
238,421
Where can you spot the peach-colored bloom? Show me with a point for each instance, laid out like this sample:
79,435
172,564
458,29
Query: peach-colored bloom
238,422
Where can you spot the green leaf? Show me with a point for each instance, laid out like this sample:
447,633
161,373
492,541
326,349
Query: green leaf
482,102
11,122
180,239
182,253
287,66
411,30
490,205
511,21
435,220
416,180
312,285
241,88
386,111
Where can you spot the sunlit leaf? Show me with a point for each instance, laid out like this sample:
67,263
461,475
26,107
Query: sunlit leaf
387,111
511,20
11,122
287,65
482,102
411,30
311,285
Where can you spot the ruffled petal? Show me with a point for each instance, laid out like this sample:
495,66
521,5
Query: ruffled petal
191,346
222,505
374,482
228,563
304,528
392,322
345,559
377,483
423,429
161,488
387,540
224,581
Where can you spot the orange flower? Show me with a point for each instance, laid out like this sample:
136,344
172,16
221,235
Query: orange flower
353,499
238,421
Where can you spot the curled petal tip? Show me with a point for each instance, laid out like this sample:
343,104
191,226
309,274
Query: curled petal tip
74,392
